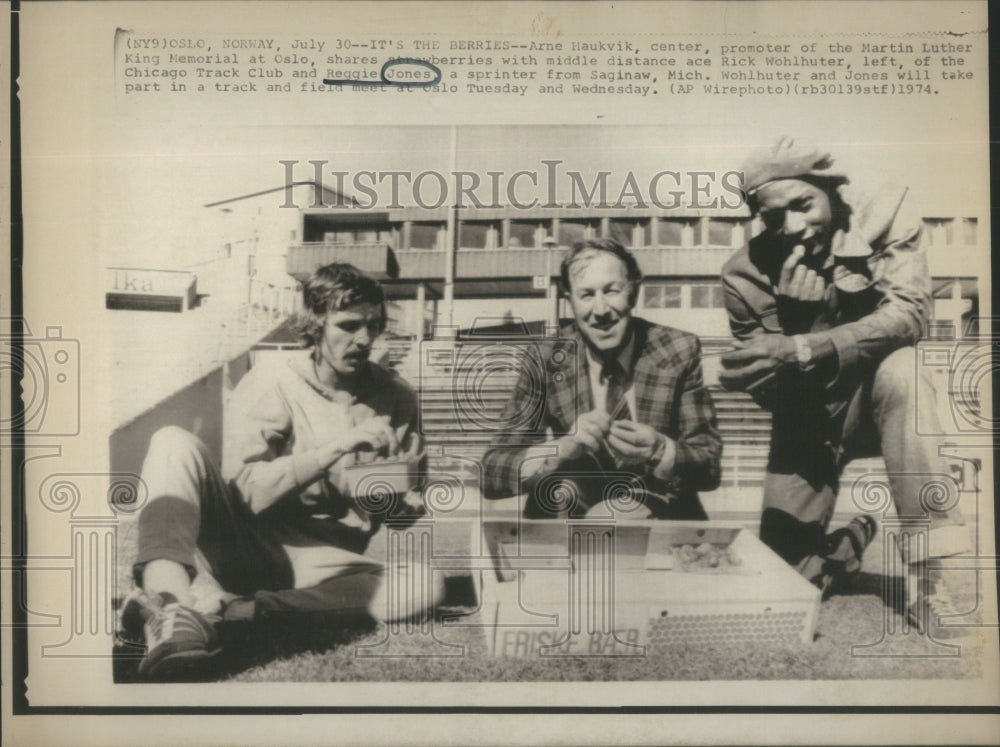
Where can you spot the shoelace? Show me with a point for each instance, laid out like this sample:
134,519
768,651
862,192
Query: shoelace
182,622
161,625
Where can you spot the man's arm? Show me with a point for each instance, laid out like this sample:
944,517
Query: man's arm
688,451
899,320
258,428
902,314
509,448
744,322
747,327
698,444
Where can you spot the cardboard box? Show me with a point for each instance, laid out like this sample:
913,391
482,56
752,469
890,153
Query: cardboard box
376,481
623,588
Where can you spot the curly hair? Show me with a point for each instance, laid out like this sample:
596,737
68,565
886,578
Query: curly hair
335,287
610,246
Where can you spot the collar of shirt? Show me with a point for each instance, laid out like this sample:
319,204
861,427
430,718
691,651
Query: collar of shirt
599,386
848,244
305,366
625,358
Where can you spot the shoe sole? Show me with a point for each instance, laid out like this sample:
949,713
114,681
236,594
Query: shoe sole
180,666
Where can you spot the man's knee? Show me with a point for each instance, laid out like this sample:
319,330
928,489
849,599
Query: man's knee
172,447
176,465
173,439
896,379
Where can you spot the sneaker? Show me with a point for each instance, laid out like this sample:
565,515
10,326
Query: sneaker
925,613
179,640
845,549
132,616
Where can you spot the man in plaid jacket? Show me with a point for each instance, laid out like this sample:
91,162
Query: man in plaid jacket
614,404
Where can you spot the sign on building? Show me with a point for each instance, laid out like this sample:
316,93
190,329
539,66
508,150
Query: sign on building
149,290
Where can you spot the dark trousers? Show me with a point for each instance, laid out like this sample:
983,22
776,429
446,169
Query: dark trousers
809,450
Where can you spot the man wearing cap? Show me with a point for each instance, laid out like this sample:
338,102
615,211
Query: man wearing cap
826,304
622,409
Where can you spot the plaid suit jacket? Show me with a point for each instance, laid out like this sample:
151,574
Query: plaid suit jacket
670,396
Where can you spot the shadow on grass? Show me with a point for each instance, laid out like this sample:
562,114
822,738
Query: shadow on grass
251,644
261,640
890,589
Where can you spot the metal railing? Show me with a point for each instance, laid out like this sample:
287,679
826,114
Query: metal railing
372,257
278,300
268,305
425,264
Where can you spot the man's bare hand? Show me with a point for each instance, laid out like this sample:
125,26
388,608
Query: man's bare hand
754,362
799,282
375,433
799,295
633,443
410,505
588,435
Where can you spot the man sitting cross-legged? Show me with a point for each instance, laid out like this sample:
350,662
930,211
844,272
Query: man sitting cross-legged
276,524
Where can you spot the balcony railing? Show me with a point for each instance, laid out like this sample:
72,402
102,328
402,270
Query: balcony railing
427,264
376,258
683,260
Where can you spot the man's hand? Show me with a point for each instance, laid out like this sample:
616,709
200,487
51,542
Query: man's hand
633,443
799,282
587,437
375,433
799,295
753,363
409,507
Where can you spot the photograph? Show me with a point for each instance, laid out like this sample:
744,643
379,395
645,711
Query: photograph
418,363
472,388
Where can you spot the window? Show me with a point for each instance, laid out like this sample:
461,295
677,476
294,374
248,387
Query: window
661,295
357,235
725,233
946,287
424,235
476,235
707,296
673,233
939,231
572,231
523,234
720,233
624,231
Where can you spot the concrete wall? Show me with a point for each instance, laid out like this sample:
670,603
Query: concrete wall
260,226
197,408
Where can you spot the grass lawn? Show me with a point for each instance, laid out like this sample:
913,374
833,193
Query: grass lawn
327,650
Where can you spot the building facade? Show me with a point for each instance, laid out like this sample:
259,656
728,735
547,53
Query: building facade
503,264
